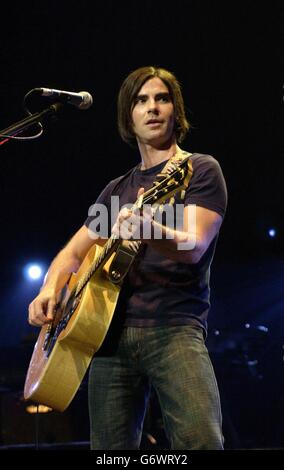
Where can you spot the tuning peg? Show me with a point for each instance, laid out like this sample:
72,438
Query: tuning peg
171,168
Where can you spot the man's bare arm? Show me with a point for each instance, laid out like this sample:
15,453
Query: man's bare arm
68,261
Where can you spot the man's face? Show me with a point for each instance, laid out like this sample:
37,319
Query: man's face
153,114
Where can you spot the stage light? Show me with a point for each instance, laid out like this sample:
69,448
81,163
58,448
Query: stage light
32,409
33,272
272,233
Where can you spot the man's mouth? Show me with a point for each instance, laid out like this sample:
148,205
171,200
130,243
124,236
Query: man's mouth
153,121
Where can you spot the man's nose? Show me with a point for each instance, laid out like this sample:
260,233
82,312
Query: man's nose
153,107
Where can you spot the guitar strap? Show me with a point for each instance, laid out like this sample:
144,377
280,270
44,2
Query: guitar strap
128,249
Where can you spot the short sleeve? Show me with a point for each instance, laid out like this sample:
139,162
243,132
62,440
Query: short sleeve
207,187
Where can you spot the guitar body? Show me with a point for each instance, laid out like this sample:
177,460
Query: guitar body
54,378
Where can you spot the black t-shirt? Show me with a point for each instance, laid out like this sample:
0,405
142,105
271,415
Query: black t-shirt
157,290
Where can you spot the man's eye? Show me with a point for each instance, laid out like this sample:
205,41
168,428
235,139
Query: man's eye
140,99
164,99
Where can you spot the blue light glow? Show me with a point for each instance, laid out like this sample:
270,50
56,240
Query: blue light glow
33,272
272,232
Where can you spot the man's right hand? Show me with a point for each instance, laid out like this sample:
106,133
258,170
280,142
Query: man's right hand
42,308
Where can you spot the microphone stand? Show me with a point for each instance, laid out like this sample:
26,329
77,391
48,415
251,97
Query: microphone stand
20,126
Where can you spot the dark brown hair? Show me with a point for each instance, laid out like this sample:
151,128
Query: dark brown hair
129,91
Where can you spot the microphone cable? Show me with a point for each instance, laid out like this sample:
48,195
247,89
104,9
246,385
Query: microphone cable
7,137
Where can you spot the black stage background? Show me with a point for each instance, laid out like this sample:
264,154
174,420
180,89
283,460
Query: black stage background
227,56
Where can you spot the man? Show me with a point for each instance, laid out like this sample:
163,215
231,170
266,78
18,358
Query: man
157,334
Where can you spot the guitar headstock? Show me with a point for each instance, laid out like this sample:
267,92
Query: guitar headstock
167,185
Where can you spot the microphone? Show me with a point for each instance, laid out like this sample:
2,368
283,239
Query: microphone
83,99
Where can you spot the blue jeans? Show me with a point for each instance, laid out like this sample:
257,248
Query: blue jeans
175,361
